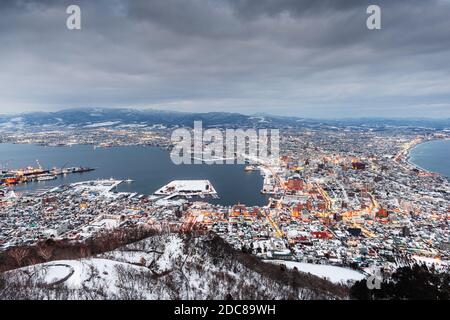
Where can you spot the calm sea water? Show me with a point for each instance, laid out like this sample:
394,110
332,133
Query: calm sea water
433,156
149,167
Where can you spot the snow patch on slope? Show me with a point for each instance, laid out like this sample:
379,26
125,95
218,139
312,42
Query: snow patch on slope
332,273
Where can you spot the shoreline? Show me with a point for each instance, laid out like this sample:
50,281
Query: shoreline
416,166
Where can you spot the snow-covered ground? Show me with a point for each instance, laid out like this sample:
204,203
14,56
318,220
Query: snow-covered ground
108,270
74,272
331,273
187,187
103,187
55,272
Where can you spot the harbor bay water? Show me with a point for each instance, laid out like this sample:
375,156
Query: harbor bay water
149,167
433,156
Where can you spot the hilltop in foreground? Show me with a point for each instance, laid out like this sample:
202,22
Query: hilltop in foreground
170,266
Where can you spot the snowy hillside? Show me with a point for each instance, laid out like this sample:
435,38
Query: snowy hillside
166,267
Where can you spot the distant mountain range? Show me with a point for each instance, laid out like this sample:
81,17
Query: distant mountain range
90,118
110,117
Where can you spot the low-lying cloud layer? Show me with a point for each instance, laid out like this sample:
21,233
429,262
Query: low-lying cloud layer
306,58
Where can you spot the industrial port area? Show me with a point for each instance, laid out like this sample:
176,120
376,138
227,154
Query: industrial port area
30,174
341,197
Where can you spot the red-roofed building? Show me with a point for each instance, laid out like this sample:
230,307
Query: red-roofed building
321,234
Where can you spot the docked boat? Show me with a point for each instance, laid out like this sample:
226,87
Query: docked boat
79,170
46,177
11,180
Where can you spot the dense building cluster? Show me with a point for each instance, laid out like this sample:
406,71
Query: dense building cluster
346,197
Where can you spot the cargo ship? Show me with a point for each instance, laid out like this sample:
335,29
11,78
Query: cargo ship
79,170
30,171
61,171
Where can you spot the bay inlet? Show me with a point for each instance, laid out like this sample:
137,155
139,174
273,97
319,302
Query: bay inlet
149,167
432,156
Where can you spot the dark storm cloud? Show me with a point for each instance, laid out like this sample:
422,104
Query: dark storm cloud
306,58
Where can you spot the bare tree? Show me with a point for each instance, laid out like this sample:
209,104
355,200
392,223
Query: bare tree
45,252
18,254
84,251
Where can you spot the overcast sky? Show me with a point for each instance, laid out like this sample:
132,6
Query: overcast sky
306,58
